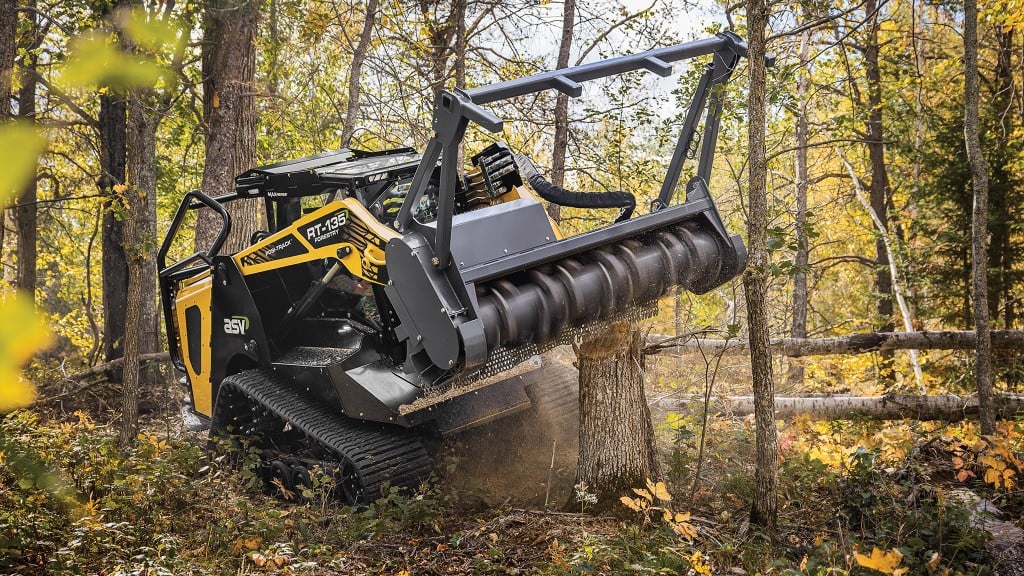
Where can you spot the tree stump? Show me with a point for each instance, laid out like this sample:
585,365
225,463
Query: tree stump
617,450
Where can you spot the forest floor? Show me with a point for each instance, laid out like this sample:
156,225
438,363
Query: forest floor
855,498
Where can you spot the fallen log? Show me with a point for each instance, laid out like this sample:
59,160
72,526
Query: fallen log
945,407
108,366
1005,547
852,344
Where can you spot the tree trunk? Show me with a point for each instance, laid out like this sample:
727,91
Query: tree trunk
979,223
764,510
440,33
8,50
895,285
617,450
946,407
144,116
25,213
356,73
1011,340
459,13
113,150
1002,250
561,140
135,239
229,114
795,369
114,267
879,189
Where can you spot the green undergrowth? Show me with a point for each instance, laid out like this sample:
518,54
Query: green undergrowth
73,502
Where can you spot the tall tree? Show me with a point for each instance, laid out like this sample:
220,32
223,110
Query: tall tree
764,511
146,108
617,449
441,30
979,243
113,160
229,114
799,326
561,140
355,74
1005,183
880,186
8,50
26,212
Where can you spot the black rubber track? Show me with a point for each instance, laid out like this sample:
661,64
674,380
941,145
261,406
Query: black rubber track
374,454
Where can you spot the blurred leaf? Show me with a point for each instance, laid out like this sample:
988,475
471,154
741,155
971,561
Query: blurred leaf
151,34
21,335
30,472
97,61
20,147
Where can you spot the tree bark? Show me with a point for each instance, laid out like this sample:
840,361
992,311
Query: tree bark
795,370
356,73
113,150
229,114
561,138
617,450
135,201
459,14
979,222
895,285
1002,253
8,51
946,407
440,33
852,344
879,189
25,214
144,115
114,268
764,509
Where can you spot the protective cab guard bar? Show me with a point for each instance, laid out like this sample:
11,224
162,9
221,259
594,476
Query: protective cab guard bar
199,261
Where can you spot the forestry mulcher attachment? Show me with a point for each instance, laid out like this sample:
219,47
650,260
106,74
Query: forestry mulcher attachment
393,299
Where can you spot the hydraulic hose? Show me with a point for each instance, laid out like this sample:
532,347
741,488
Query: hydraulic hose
625,201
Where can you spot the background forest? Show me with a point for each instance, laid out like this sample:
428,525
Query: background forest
869,203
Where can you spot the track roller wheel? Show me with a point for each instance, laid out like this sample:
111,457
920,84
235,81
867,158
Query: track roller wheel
303,482
282,479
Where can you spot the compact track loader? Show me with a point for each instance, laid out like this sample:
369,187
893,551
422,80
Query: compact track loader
393,299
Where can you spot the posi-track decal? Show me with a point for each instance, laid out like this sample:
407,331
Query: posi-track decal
283,248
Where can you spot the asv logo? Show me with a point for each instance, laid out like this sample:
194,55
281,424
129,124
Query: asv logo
236,325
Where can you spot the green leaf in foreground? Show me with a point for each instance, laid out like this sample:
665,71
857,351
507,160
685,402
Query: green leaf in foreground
21,335
20,147
97,61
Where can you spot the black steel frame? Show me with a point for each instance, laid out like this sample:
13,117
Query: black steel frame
455,109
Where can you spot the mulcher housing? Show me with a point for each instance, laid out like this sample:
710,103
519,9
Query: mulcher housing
392,296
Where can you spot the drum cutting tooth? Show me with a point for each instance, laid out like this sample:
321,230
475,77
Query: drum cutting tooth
537,305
